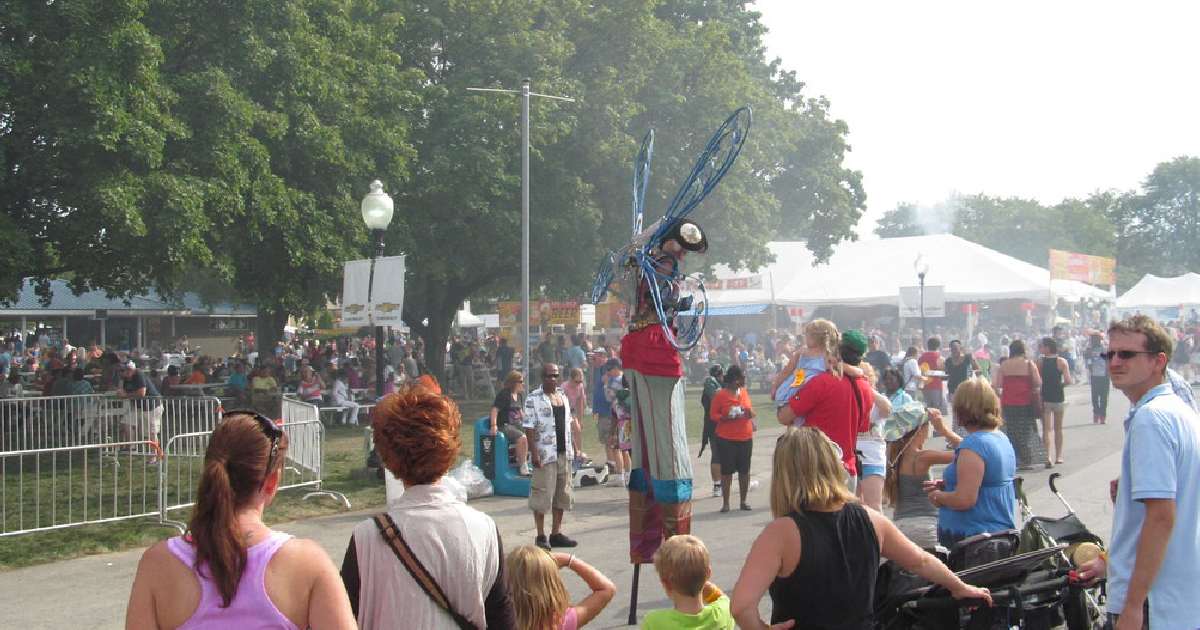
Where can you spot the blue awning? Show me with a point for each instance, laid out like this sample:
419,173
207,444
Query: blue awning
744,309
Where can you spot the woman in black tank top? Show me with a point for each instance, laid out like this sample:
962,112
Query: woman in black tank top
820,556
1055,377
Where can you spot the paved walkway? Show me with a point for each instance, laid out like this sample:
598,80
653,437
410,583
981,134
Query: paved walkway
91,592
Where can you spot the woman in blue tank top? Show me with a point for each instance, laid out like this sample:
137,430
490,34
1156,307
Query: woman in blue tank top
976,493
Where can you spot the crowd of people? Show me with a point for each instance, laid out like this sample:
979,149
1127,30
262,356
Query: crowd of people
430,558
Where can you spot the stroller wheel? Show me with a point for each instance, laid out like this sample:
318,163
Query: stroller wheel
1078,614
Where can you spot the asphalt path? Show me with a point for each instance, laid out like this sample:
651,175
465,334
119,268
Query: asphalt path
91,592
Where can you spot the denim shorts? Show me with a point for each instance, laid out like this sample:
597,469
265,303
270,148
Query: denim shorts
878,470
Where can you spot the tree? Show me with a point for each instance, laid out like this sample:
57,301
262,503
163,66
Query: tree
292,107
142,141
1158,228
85,124
677,67
903,220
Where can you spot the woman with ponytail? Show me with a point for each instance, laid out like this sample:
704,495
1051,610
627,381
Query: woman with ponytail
230,570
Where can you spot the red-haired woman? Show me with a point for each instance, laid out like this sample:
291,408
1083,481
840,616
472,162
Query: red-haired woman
417,437
230,570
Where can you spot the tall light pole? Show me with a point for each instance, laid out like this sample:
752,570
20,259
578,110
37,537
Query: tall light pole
525,94
922,268
377,214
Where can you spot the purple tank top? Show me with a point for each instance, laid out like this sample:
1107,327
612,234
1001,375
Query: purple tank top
250,607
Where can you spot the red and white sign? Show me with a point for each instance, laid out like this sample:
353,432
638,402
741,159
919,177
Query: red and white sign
796,313
735,284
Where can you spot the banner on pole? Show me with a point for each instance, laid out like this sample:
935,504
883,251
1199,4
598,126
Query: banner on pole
1082,267
935,301
356,280
386,296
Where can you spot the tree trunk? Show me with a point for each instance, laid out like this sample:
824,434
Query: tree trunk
435,336
269,330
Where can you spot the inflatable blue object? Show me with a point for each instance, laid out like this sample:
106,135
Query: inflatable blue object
491,455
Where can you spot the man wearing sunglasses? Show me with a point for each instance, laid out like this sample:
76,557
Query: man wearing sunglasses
1154,555
548,432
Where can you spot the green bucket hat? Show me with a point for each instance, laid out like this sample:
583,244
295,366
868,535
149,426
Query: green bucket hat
905,418
855,339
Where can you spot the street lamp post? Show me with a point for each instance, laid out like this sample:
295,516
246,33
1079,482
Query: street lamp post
525,94
922,268
377,214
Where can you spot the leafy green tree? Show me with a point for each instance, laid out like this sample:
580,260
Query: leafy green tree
292,107
85,124
677,67
903,220
1158,228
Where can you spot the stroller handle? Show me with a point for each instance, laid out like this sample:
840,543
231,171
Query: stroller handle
1005,596
1053,479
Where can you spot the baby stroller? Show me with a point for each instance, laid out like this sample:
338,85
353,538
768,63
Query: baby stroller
1029,574
1082,608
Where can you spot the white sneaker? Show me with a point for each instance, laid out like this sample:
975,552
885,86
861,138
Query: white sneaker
614,481
716,490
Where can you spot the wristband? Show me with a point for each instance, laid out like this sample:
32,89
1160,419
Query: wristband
570,561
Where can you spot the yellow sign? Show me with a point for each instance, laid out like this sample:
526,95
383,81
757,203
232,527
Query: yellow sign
545,313
1082,267
612,314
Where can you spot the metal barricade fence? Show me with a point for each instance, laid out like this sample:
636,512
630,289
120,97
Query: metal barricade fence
303,464
45,422
305,460
74,460
54,488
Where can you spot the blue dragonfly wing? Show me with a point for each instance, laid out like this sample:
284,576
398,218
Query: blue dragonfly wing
641,177
713,163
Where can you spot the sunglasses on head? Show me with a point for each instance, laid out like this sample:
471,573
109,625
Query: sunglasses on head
1124,355
270,429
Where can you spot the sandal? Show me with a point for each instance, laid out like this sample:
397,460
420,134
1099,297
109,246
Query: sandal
724,509
746,507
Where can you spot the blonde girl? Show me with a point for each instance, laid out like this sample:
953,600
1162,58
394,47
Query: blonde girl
539,596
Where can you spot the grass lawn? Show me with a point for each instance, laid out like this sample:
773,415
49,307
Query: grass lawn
343,456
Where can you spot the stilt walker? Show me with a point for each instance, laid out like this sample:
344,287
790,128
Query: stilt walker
669,311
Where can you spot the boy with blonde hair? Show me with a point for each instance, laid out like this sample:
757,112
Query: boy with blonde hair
683,567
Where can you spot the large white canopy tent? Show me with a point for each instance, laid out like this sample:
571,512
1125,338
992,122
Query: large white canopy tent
870,273
1153,292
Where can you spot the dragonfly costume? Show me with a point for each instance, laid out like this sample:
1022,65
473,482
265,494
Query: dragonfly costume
669,310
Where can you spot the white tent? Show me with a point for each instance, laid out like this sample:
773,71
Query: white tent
870,273
466,319
1154,292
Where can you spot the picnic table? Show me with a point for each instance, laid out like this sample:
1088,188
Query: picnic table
198,389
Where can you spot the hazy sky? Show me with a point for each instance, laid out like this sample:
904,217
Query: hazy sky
1037,99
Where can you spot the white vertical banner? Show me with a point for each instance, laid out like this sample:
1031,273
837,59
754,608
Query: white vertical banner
935,301
387,296
355,286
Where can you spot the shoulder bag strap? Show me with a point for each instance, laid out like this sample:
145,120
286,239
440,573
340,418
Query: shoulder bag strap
391,534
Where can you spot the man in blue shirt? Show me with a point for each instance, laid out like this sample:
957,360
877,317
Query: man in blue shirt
1154,555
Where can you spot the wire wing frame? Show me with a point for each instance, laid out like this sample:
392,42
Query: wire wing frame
713,163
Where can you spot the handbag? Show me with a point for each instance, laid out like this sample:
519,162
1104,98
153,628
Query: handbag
391,534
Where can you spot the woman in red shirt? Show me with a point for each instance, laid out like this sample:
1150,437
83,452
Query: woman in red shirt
734,416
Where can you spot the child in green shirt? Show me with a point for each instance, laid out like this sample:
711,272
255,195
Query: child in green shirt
683,567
